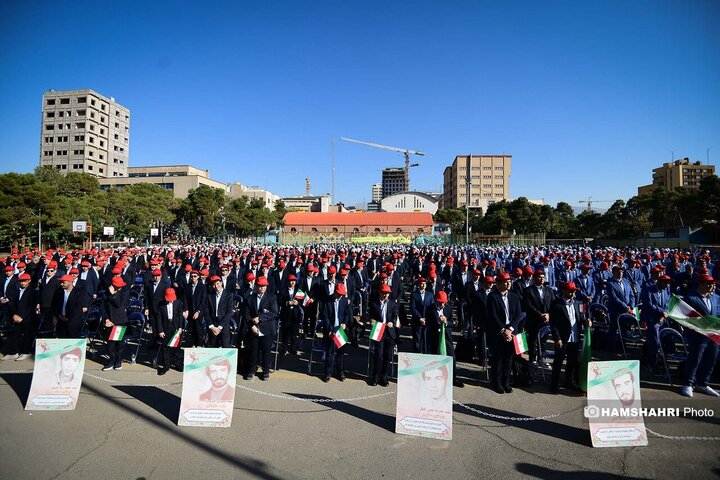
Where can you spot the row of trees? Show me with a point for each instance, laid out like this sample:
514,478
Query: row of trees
659,211
56,200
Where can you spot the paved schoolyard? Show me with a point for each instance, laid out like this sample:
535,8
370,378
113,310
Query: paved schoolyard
125,427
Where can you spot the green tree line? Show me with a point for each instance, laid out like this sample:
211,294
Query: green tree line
56,200
659,211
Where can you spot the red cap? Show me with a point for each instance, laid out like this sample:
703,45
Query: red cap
74,271
502,277
705,278
250,277
569,286
421,280
528,270
85,263
665,278
332,269
205,272
489,279
340,288
8,269
214,279
157,273
170,295
291,277
24,277
441,297
188,268
67,278
52,264
385,288
116,271
118,282
262,282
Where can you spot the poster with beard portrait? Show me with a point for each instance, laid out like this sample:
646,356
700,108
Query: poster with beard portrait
424,396
208,393
614,406
57,374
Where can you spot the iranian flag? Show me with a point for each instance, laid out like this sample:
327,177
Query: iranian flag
339,337
301,297
175,339
377,332
688,317
442,348
520,342
117,333
585,359
636,312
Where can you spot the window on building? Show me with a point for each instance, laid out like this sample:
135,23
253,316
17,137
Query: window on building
499,186
50,101
102,131
126,119
487,185
79,138
50,114
48,139
92,127
81,113
82,100
92,114
102,143
91,153
64,167
92,101
101,170
102,107
102,119
116,137
499,177
77,166
47,153
80,125
91,140
498,168
117,125
102,157
487,168
64,101
117,113
90,167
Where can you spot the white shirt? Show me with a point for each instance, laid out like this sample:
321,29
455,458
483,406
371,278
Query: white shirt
507,308
170,310
574,331
337,308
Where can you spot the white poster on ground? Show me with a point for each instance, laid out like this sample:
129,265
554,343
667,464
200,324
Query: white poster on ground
208,393
424,396
57,375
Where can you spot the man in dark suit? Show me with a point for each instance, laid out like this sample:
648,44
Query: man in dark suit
702,351
116,302
537,300
437,315
172,318
503,317
261,316
219,309
154,295
311,285
48,285
195,295
384,310
335,314
90,277
567,323
290,315
22,311
420,299
70,307
227,281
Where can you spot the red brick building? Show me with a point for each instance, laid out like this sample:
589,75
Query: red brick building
358,224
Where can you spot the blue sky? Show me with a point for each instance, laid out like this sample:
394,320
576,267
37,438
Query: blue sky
587,97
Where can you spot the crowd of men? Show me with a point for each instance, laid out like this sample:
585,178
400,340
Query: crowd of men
223,296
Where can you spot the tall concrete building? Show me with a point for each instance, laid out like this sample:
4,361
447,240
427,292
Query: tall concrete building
680,173
393,181
84,132
376,192
488,176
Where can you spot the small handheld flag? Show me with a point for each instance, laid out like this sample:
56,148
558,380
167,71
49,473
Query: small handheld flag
377,332
339,337
117,333
175,339
520,342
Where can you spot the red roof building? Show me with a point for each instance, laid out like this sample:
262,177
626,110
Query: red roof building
373,223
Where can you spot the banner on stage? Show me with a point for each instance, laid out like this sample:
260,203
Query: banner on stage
208,393
424,396
58,372
614,409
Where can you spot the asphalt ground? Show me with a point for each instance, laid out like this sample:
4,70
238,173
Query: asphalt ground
125,427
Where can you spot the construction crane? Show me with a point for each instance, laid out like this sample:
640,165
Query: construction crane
406,153
307,186
590,201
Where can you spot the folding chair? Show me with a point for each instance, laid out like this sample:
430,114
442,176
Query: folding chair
134,332
670,336
91,328
317,346
632,336
544,355
393,363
